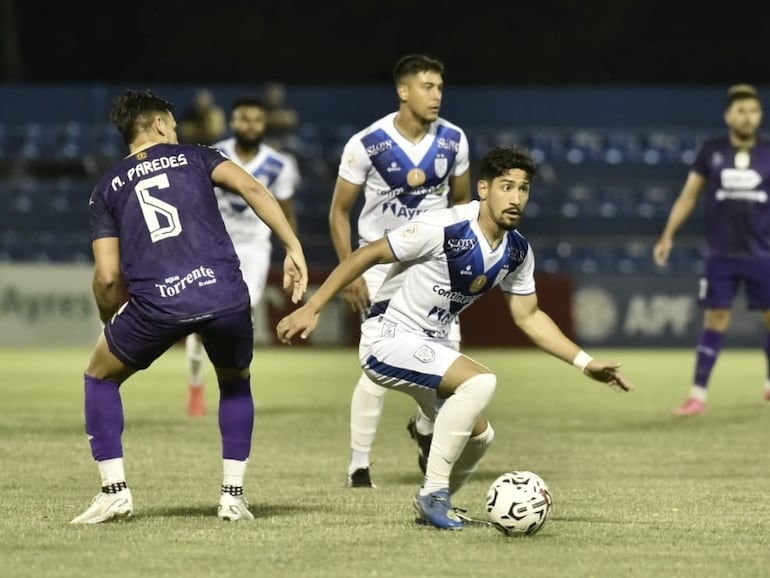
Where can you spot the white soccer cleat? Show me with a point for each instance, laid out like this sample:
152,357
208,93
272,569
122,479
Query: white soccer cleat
107,507
234,508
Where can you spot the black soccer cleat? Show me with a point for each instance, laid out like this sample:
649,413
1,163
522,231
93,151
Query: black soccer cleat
423,443
360,479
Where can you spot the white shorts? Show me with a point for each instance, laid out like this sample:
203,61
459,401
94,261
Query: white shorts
374,276
255,266
407,362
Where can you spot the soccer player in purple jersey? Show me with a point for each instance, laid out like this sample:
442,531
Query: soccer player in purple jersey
442,262
732,172
158,237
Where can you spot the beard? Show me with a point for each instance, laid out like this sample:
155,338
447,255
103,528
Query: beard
247,142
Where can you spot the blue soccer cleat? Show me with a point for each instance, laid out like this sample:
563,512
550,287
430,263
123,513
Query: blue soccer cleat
436,510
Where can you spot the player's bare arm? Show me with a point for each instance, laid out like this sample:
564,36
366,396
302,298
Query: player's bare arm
460,188
108,284
546,335
304,319
230,175
343,201
682,209
287,206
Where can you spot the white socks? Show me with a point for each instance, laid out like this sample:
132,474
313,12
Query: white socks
453,427
195,357
365,411
111,471
233,472
468,462
699,393
422,424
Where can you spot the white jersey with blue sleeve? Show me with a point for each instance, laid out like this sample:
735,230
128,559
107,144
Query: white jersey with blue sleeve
401,179
444,264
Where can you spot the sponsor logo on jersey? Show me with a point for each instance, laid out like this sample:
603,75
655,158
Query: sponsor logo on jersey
174,285
447,144
461,244
375,149
456,296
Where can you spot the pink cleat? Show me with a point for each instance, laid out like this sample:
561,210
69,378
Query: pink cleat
692,406
767,393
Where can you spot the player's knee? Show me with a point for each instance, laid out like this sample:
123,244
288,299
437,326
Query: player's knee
369,386
486,382
479,389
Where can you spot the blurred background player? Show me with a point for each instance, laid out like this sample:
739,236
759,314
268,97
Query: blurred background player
158,235
204,122
251,237
444,261
734,172
406,163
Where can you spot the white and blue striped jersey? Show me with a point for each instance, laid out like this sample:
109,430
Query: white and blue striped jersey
277,171
401,179
444,264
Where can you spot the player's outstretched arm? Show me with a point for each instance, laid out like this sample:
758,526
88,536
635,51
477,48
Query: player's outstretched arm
546,335
607,372
302,321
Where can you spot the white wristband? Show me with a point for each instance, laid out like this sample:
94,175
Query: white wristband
581,361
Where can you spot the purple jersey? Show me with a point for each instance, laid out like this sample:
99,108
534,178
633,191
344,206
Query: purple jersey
176,256
737,204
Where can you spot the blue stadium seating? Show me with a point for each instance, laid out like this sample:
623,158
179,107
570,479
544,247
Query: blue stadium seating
600,199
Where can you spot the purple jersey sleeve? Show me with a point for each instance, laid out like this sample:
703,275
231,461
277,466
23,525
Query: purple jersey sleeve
102,222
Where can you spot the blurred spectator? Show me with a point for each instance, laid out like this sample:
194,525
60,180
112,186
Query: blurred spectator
204,122
282,120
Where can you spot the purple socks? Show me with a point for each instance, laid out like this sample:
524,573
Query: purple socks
707,352
104,418
236,419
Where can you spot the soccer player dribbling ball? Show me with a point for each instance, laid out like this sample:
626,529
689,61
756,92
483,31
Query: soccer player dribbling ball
442,262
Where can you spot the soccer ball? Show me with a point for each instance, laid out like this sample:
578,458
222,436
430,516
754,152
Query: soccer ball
519,503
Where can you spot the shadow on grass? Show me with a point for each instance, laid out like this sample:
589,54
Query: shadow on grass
259,511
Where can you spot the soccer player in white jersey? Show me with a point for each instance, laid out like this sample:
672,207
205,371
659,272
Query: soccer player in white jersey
406,163
443,262
251,237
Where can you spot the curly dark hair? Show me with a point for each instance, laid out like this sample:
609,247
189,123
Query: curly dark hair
501,159
132,110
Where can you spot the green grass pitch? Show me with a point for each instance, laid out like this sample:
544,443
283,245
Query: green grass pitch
637,491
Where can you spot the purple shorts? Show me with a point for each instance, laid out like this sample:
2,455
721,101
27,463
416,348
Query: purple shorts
138,341
724,277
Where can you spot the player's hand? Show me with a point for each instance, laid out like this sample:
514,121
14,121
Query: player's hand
608,373
295,275
356,293
302,321
661,251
